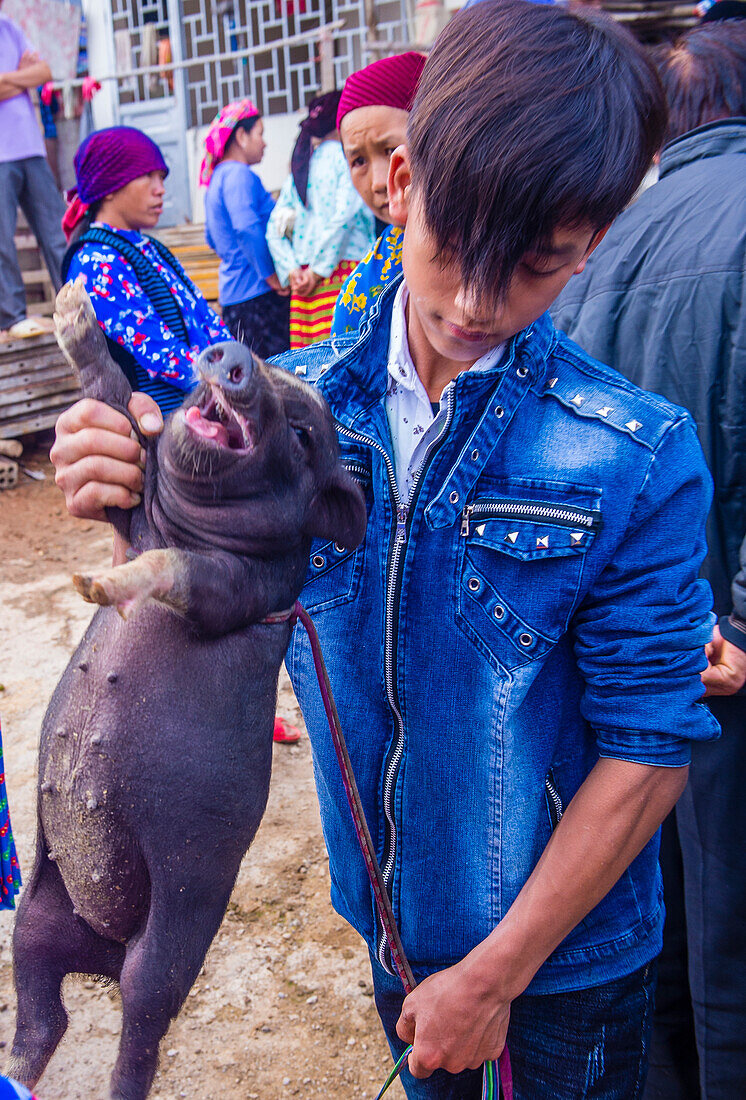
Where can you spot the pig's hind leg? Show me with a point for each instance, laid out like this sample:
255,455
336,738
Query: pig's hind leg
158,972
49,942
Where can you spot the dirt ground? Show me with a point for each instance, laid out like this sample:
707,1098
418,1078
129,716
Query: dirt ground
284,1004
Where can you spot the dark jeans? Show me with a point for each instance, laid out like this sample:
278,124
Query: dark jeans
698,1047
28,183
262,323
566,1046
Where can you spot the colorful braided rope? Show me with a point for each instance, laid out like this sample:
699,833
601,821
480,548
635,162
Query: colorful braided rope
10,872
398,1067
491,1089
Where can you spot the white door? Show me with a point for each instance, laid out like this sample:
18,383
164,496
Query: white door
163,121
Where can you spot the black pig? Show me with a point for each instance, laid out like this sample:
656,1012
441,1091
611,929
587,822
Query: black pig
156,748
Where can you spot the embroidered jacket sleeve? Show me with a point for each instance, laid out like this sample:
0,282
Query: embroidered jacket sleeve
363,286
127,317
641,631
279,237
336,208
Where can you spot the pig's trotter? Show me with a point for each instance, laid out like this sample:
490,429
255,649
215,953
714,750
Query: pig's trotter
156,575
90,590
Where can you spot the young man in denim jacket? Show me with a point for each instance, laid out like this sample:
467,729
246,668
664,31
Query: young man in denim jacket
515,649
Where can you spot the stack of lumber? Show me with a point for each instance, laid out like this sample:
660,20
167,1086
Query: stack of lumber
36,384
187,242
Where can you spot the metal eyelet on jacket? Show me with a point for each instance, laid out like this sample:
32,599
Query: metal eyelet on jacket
453,497
318,561
525,639
522,372
499,411
499,612
474,584
338,548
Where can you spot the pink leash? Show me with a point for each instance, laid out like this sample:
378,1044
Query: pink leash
504,1081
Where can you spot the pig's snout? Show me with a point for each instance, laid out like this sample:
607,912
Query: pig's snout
230,366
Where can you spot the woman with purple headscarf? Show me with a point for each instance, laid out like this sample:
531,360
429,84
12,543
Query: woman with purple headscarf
155,319
320,227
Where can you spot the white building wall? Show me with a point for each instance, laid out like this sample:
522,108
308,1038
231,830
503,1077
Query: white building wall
101,61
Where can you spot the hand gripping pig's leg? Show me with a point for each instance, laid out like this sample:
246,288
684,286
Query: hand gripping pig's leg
84,346
217,592
49,941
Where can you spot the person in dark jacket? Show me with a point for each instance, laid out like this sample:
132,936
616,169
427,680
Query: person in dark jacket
662,300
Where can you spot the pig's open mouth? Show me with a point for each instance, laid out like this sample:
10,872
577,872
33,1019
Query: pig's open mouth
217,422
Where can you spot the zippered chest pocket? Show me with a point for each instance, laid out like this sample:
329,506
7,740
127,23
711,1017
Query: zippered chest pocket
521,561
334,571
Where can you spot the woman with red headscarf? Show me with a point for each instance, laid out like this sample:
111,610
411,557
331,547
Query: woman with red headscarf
237,208
372,121
319,228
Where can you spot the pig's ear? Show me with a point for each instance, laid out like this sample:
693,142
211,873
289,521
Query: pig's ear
338,512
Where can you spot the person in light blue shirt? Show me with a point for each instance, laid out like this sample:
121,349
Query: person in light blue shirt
255,307
320,228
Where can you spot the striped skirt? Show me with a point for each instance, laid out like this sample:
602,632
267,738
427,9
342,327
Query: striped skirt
311,318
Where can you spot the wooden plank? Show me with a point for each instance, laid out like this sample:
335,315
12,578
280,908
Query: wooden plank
36,275
27,342
29,382
22,394
39,405
42,357
37,422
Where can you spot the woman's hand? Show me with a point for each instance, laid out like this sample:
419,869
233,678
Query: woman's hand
98,461
297,280
313,280
274,283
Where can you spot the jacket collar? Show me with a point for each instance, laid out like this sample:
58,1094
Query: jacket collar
357,380
715,139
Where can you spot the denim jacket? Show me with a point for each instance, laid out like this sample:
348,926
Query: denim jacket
534,606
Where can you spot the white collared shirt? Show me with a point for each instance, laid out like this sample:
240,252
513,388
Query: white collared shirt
412,422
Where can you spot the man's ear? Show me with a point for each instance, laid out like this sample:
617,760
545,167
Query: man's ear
399,185
596,239
338,512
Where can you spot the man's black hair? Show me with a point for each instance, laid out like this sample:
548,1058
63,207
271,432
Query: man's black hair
528,118
704,76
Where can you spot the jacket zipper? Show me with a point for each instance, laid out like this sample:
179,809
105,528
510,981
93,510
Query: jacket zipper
358,470
393,592
554,802
526,510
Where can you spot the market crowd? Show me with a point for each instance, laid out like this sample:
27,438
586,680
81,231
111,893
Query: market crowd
453,231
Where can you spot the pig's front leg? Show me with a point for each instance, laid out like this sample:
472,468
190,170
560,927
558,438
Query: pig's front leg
155,575
218,592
